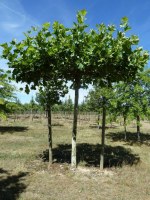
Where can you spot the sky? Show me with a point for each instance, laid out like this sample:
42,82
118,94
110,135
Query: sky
17,16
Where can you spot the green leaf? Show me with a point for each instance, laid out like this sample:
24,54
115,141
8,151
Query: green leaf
81,16
46,25
81,66
34,28
8,71
4,45
101,27
134,39
127,28
124,22
83,12
111,28
1,101
13,42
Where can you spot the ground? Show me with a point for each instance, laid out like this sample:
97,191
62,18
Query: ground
26,175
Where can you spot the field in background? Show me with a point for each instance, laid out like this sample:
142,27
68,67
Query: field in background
24,172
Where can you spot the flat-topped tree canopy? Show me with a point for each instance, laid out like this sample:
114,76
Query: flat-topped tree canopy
76,54
116,57
105,53
34,59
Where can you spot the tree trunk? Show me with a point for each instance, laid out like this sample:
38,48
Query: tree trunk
103,138
49,134
125,128
98,121
74,131
138,127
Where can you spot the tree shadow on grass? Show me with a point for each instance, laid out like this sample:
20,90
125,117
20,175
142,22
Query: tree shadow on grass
89,155
3,171
57,124
12,129
11,186
100,127
131,138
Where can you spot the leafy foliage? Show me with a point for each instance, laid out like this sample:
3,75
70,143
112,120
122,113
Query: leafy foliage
51,93
133,98
6,93
75,53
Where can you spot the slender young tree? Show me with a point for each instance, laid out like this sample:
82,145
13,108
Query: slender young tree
123,103
47,97
133,99
101,99
140,93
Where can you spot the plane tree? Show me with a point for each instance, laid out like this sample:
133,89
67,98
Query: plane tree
48,96
34,60
141,100
123,103
103,56
115,57
132,99
77,49
102,100
127,99
75,54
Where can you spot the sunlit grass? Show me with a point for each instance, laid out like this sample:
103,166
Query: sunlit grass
22,147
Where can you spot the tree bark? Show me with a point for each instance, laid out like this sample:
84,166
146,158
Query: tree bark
49,134
125,128
103,138
74,131
138,127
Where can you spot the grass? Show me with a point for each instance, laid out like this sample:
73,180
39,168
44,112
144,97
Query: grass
25,175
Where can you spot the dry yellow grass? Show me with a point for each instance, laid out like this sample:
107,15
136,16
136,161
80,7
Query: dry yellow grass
24,175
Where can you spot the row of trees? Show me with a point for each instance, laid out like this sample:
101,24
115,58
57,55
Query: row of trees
131,100
37,105
50,57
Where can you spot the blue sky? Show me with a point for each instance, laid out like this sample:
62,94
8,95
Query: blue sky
17,16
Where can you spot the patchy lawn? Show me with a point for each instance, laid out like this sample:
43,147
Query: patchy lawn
25,175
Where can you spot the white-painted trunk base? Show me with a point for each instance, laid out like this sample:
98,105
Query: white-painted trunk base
73,156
